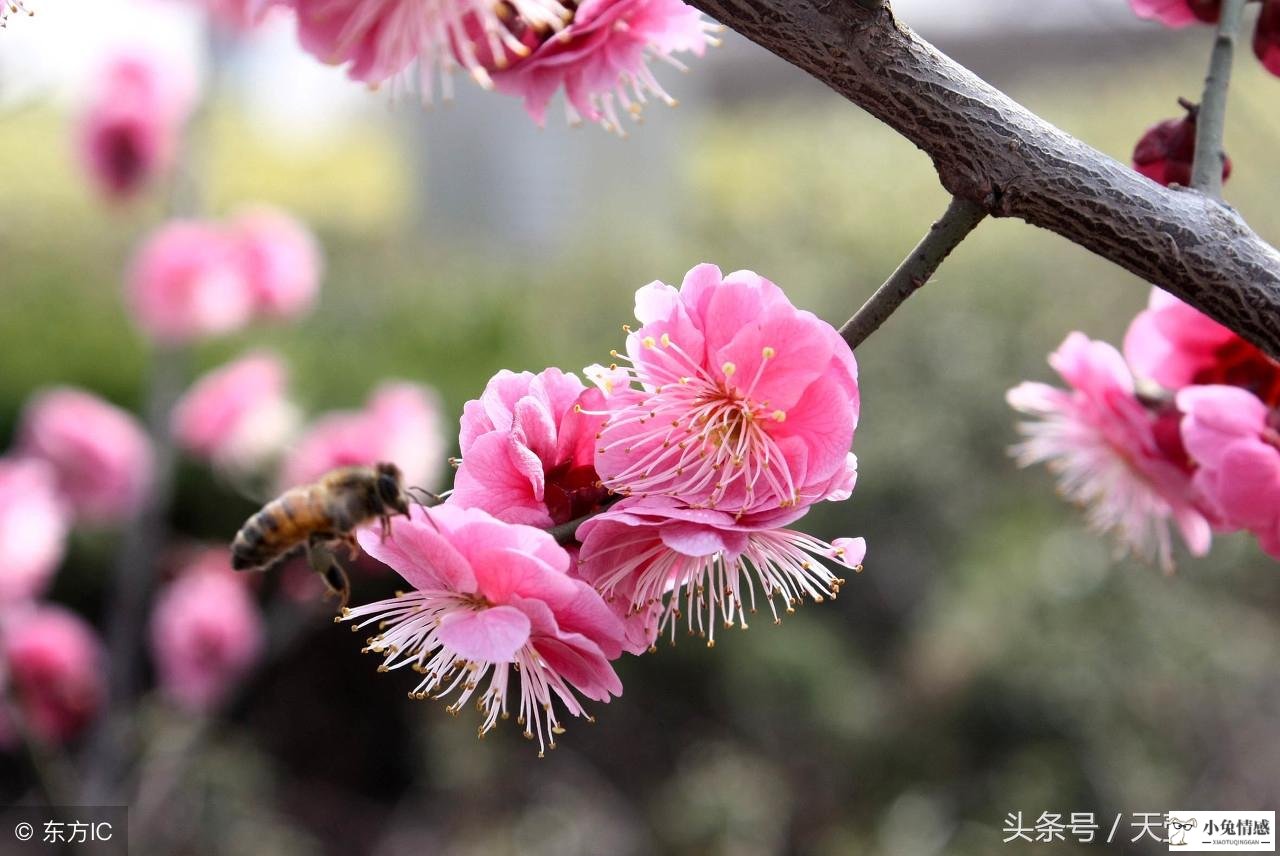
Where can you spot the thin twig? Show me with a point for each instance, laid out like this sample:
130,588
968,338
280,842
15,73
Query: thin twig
1206,169
944,236
134,578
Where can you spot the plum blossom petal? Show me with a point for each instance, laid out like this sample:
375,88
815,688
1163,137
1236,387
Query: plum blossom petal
493,607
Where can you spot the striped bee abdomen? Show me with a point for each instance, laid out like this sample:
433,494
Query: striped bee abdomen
282,525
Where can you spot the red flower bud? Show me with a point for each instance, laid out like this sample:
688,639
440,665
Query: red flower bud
1166,151
1266,38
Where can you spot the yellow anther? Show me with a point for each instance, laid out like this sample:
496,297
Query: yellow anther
649,342
779,416
626,328
768,353
728,369
666,340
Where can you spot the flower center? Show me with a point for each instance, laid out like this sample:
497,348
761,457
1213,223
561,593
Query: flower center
699,434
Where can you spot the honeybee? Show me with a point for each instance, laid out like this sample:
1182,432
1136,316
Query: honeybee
317,517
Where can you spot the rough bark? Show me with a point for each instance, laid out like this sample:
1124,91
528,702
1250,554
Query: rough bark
991,150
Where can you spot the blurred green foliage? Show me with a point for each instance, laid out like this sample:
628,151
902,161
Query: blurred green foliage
992,658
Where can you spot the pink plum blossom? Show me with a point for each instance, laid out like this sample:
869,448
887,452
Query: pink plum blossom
206,631
1110,452
492,604
1176,346
601,59
378,40
238,415
55,666
281,261
33,528
528,449
746,403
1232,438
101,455
657,561
400,423
1178,13
129,131
187,281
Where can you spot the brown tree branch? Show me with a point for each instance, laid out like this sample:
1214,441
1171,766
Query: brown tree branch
992,151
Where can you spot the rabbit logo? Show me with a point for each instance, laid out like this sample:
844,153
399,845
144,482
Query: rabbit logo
1178,830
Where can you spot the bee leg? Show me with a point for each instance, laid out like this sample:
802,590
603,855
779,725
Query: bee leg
385,520
353,546
322,560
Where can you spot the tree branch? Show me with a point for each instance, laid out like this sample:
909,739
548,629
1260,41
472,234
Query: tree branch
945,235
1206,169
991,151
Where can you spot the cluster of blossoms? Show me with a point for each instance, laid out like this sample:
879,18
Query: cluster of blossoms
597,52
1179,431
670,484
1182,428
1182,13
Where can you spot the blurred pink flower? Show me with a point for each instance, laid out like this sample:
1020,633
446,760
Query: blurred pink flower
33,528
1178,13
1108,452
527,449
747,403
1266,38
601,59
206,631
400,423
55,666
657,561
1232,437
188,281
281,261
381,39
237,415
129,130
1176,346
487,596
101,454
